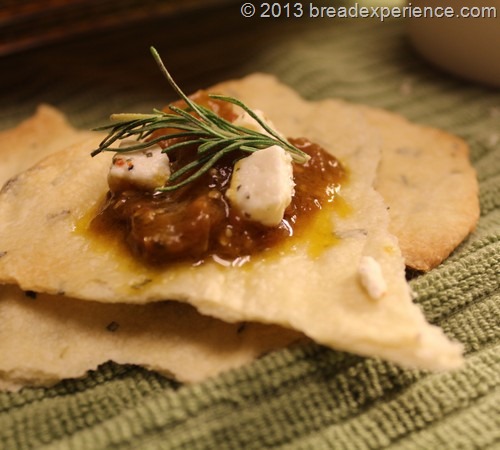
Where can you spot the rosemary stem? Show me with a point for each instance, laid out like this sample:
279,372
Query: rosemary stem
196,125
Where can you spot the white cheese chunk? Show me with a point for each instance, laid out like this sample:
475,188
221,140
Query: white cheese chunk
245,120
262,185
371,277
140,169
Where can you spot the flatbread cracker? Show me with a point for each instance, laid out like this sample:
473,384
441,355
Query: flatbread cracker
317,292
429,185
47,338
46,132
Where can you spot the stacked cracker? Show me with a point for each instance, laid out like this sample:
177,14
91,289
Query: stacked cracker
95,304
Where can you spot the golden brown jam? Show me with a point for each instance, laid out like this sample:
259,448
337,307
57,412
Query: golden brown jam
196,221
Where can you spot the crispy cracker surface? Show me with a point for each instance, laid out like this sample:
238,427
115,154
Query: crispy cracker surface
46,338
315,291
428,183
46,132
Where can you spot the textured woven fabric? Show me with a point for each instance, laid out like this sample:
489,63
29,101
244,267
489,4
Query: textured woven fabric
302,398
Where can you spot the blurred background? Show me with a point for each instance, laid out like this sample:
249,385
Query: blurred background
29,23
91,57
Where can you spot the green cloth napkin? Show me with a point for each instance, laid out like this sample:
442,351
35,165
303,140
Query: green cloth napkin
302,398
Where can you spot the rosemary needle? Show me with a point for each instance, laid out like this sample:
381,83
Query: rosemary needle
214,135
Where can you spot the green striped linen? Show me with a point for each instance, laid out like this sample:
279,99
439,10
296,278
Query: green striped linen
301,398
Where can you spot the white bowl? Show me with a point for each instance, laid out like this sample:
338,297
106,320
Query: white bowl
468,47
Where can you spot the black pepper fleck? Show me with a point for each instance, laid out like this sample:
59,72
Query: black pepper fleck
61,214
30,294
142,283
113,326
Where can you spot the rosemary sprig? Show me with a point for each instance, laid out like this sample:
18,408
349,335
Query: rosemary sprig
214,135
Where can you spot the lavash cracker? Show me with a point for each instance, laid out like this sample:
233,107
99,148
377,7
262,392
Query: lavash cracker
427,181
45,338
44,133
429,185
48,338
320,296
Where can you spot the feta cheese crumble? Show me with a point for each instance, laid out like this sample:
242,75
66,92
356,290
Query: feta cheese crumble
262,185
371,277
141,169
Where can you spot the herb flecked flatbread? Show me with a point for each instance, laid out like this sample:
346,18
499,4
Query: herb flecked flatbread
46,132
427,182
429,185
46,338
311,284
